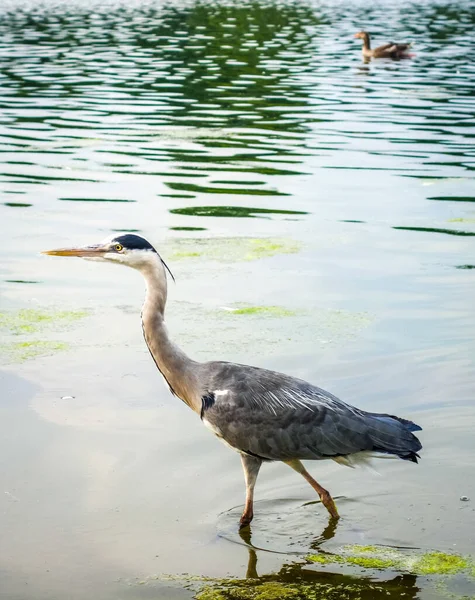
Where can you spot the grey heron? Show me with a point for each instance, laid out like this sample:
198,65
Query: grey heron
262,414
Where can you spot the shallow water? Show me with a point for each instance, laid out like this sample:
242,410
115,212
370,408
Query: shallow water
318,214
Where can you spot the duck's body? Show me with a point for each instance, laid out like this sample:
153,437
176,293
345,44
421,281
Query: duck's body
390,50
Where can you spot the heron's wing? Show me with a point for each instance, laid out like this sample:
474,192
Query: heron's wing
278,417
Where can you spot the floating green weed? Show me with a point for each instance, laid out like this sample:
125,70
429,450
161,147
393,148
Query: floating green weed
299,581
21,351
180,255
440,563
230,249
262,248
251,589
431,563
363,549
265,311
295,584
27,322
30,320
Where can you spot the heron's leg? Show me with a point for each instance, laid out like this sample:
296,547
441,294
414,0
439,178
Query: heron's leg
251,466
325,497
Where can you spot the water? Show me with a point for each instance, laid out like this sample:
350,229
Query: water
272,168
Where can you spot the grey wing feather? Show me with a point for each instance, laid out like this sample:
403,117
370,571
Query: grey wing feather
278,417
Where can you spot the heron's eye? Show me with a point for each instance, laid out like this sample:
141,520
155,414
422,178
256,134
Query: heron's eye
118,247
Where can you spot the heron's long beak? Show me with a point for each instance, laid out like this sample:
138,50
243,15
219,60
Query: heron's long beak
84,252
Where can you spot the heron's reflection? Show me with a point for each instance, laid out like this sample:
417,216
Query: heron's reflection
246,535
350,585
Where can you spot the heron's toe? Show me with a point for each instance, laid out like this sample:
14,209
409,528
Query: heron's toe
245,521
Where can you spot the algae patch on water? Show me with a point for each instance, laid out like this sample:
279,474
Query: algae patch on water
242,330
21,329
350,576
252,590
462,220
234,249
293,582
373,557
440,563
25,350
30,320
261,311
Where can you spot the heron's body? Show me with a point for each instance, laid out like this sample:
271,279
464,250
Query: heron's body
262,414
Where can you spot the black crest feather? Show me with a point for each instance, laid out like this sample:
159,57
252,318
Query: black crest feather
130,241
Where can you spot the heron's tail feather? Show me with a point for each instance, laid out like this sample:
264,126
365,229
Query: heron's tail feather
409,425
393,435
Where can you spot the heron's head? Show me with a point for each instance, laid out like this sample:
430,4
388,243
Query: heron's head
127,249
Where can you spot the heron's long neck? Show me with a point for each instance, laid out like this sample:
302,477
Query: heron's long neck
178,370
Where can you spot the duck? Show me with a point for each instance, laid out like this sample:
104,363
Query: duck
390,50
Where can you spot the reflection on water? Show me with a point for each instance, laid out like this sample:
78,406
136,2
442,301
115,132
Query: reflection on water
345,195
93,92
232,211
299,581
438,230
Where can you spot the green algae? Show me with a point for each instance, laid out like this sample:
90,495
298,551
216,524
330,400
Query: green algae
324,558
362,549
301,581
30,320
236,249
366,562
210,594
180,255
263,248
251,589
440,563
264,311
19,327
370,563
295,583
430,563
264,589
21,351
281,329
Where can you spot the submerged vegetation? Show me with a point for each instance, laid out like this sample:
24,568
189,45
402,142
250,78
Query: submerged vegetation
30,320
21,351
235,249
310,580
27,322
262,311
373,557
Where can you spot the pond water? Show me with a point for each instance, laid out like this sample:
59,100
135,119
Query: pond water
318,213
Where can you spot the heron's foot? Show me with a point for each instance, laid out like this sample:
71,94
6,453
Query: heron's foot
246,519
329,504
